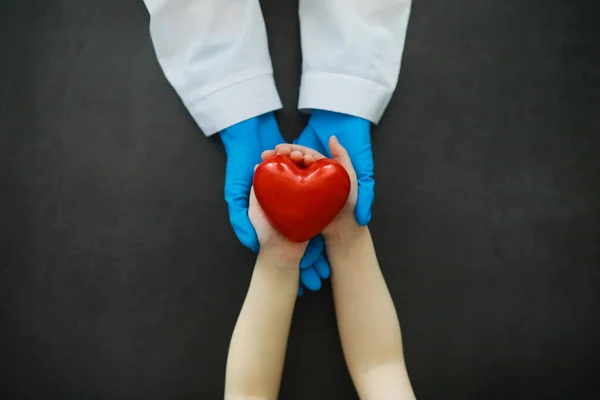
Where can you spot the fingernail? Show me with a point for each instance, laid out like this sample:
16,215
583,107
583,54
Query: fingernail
335,139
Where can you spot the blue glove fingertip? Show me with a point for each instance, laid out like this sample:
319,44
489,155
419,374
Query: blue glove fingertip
243,228
313,251
244,143
249,240
300,290
310,279
362,211
322,267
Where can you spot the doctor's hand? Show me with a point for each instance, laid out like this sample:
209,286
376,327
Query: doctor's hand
244,143
355,136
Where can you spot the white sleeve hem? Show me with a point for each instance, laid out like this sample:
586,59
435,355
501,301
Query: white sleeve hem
344,94
235,103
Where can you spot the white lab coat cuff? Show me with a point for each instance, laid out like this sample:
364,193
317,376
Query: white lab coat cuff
344,94
235,103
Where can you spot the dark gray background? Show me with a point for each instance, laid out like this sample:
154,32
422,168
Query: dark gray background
122,279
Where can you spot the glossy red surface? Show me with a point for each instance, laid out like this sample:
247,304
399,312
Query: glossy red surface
301,202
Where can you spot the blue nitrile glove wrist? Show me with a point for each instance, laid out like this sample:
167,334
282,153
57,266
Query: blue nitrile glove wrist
354,134
244,144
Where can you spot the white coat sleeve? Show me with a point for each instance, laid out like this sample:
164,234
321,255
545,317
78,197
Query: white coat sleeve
215,55
352,51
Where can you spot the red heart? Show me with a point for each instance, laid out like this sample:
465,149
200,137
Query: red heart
300,202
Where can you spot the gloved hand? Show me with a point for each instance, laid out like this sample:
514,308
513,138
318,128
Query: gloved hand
244,143
354,134
311,275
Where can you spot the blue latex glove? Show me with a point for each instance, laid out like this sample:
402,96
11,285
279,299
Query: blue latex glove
244,143
311,277
354,134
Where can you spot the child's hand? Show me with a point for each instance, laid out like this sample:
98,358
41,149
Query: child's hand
345,220
272,243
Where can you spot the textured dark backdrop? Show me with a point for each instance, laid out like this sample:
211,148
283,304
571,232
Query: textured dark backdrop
121,278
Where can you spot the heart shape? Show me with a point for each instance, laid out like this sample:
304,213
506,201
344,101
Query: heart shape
301,201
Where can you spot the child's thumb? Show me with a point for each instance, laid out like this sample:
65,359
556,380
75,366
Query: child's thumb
338,152
252,201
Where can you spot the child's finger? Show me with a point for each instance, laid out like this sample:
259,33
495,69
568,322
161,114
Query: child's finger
297,156
339,153
267,153
253,203
283,151
252,198
289,148
308,159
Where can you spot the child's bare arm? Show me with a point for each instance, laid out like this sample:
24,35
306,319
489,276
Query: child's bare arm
367,320
259,341
257,349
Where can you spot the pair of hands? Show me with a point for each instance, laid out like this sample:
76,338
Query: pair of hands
286,252
244,144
